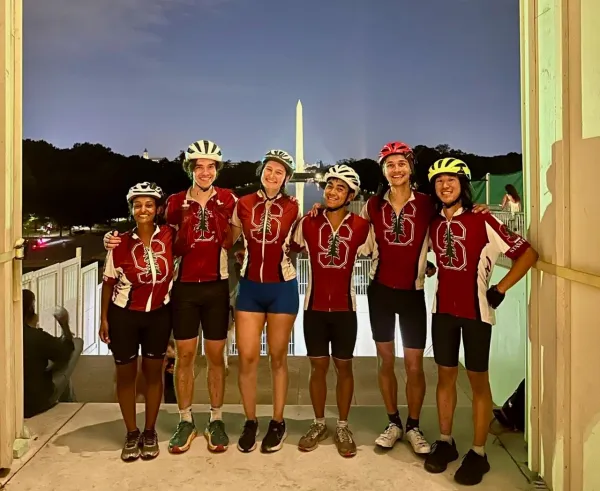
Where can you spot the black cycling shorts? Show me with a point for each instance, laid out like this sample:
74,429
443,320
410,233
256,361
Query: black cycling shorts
130,329
196,305
336,328
409,305
446,332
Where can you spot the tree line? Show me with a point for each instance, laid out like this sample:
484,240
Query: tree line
87,184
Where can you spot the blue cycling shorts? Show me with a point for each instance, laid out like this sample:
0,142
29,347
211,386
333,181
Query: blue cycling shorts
268,298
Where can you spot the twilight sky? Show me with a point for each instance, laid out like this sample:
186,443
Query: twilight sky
160,74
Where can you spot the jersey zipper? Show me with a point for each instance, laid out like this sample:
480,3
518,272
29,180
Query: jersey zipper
153,271
263,240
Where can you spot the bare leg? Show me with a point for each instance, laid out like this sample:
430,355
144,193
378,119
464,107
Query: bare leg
345,387
126,377
318,384
388,384
279,328
184,371
215,357
248,327
415,381
153,373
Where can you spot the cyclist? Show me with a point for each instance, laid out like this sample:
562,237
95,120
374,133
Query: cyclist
400,218
201,291
268,292
138,276
332,239
466,246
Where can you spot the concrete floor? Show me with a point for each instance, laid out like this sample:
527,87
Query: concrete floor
77,446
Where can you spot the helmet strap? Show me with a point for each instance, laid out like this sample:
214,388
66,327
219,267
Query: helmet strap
450,205
204,190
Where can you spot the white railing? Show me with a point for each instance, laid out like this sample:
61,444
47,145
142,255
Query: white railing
69,285
515,222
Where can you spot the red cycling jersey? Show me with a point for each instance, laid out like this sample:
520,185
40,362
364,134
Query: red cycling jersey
399,243
266,225
141,276
466,249
332,254
201,234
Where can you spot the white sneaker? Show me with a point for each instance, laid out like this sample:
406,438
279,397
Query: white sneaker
390,436
419,445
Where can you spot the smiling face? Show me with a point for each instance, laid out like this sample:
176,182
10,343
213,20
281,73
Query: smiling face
397,170
273,176
205,172
143,210
447,188
337,193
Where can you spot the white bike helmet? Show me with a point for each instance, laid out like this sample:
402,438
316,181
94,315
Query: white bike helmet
280,156
204,149
145,189
346,174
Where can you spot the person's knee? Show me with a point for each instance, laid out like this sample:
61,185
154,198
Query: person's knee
414,367
480,384
387,359
215,354
248,361
278,360
447,376
344,368
185,358
319,367
152,370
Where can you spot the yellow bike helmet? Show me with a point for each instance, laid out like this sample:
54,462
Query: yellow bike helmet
449,165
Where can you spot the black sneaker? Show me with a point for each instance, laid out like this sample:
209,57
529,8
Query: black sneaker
273,440
442,453
247,441
472,469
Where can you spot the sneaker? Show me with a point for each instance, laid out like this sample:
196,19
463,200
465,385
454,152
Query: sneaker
419,445
344,441
442,453
390,436
182,438
472,469
273,440
150,448
247,441
131,449
217,439
315,434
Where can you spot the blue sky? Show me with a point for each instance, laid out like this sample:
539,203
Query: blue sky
160,74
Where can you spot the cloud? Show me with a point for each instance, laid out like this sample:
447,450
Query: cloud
88,27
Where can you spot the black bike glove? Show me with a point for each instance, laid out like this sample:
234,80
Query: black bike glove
494,297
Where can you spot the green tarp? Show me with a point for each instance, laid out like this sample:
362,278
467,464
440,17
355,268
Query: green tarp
497,183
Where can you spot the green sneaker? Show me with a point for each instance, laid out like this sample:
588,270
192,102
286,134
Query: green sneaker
182,438
217,439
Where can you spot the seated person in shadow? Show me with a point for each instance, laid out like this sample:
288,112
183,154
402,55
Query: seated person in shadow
48,361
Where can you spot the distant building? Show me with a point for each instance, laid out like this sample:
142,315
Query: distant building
146,156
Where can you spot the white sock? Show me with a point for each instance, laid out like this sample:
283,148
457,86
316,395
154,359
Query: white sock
446,438
320,421
342,424
215,414
186,415
479,450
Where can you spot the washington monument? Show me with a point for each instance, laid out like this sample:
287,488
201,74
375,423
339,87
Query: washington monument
299,154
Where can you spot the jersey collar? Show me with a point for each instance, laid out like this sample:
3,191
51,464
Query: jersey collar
458,212
386,196
264,196
189,197
135,236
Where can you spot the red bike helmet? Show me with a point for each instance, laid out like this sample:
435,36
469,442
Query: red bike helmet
395,148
